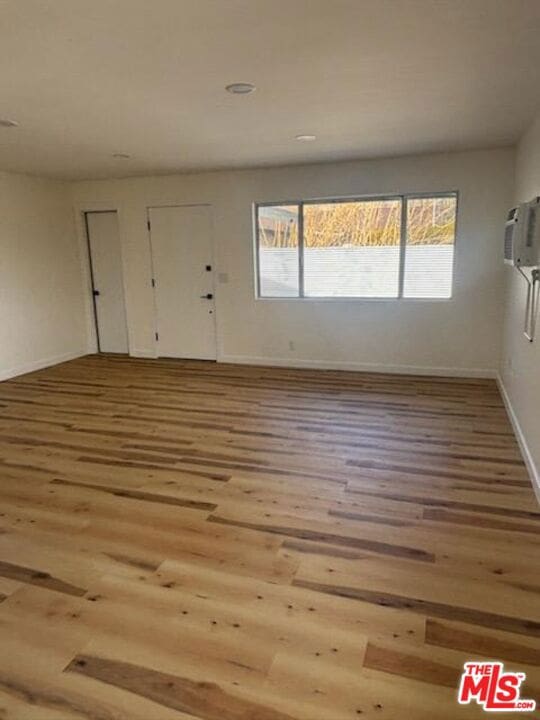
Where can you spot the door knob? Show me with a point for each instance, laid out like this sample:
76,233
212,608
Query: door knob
208,296
96,293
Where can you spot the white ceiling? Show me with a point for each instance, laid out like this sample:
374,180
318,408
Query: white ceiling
371,78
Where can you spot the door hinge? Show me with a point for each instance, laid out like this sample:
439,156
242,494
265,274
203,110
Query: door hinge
153,283
148,224
157,336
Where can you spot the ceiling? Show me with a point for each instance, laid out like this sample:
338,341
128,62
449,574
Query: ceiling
370,78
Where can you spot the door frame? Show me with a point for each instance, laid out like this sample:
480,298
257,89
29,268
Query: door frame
213,261
90,299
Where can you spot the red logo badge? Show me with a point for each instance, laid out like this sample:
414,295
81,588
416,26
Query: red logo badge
487,684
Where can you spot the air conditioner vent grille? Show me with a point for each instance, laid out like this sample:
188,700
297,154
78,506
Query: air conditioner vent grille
508,235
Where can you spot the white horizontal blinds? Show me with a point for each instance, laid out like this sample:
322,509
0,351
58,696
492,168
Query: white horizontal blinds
352,248
429,254
277,227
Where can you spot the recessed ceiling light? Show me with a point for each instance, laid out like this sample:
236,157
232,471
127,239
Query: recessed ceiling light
240,88
306,138
121,156
6,123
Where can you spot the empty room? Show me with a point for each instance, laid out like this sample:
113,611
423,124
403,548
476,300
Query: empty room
269,359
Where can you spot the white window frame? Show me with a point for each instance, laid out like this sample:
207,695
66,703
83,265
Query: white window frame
404,197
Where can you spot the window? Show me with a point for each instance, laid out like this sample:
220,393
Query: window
387,247
278,250
429,253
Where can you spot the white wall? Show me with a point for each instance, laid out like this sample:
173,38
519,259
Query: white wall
41,299
520,358
462,335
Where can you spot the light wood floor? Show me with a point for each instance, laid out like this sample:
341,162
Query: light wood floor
180,539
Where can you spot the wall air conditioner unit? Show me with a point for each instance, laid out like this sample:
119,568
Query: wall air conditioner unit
522,235
522,250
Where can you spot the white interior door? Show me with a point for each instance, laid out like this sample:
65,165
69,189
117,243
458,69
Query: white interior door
107,281
181,240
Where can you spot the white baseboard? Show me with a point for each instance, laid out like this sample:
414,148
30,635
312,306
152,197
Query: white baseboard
40,364
359,367
520,436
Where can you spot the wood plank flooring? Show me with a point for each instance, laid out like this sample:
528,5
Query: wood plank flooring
191,540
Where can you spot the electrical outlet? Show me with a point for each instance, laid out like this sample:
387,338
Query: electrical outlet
291,345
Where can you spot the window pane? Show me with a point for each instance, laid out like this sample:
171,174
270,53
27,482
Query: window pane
429,256
351,249
278,250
